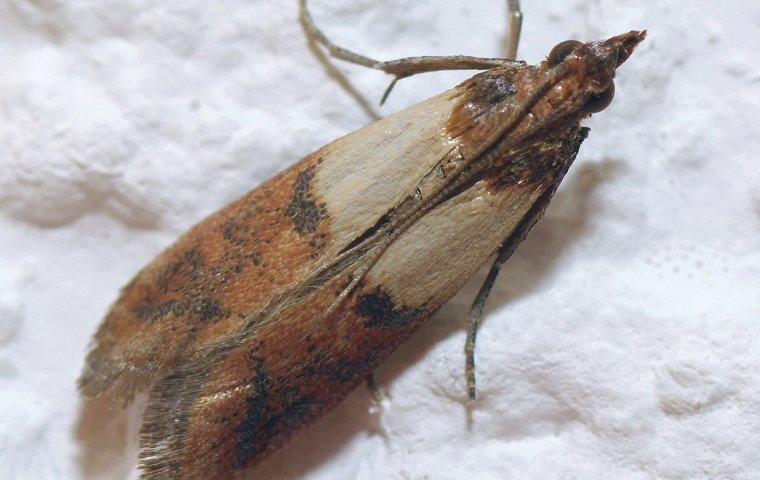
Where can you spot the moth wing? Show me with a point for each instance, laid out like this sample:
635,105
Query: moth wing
227,267
224,411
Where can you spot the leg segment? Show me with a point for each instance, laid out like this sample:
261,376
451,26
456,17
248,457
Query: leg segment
476,313
502,255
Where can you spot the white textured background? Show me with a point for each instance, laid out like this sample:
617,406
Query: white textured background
623,340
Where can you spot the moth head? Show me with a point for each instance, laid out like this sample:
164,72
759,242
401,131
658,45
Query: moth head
585,71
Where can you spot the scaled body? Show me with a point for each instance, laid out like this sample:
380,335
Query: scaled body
237,323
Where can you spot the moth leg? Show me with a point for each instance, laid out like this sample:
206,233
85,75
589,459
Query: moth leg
476,313
476,309
403,67
515,27
505,251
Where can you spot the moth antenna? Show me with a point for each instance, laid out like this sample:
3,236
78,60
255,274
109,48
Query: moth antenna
515,27
402,67
388,90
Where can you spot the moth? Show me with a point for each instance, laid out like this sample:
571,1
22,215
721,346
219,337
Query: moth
263,316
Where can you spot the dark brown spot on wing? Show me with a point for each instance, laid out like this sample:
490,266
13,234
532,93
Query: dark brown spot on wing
208,308
248,429
303,209
150,312
380,310
484,101
204,308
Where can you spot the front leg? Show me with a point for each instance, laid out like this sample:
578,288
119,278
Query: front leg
476,314
502,255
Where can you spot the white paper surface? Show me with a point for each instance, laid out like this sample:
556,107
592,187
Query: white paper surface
621,340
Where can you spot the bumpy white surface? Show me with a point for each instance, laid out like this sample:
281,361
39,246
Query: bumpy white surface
621,341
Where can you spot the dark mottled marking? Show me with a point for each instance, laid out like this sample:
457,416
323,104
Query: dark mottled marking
260,424
303,210
343,370
255,257
239,233
191,262
150,312
380,311
482,102
208,308
256,408
493,89
193,258
544,161
229,229
347,369
296,412
205,308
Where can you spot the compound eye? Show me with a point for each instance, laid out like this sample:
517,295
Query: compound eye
561,51
600,101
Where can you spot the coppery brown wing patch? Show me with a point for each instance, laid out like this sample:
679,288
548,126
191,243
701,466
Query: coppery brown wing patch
204,285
